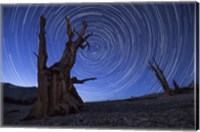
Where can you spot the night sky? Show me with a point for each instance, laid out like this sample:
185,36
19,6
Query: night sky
125,37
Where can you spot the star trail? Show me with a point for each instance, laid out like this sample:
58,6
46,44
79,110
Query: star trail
126,37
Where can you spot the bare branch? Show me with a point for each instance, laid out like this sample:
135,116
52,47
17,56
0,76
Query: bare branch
42,54
84,39
75,80
160,77
83,46
151,66
42,22
69,29
176,86
81,33
161,73
157,66
88,35
35,54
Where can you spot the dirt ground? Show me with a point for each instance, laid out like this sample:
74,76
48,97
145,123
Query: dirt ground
155,111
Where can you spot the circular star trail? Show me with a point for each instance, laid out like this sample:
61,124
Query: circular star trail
125,37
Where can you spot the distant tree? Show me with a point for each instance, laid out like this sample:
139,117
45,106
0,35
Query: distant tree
160,76
162,79
56,92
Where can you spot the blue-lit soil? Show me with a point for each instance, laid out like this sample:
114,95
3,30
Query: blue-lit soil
155,111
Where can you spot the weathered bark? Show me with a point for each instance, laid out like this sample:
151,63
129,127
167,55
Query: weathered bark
160,76
163,81
56,92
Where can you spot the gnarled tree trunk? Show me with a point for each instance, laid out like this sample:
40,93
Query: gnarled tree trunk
56,92
160,76
163,81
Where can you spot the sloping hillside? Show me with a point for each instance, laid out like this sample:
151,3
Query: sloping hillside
19,95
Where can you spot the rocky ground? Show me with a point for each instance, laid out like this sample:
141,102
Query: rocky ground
156,111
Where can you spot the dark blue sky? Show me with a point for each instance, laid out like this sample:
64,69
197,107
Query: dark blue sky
125,37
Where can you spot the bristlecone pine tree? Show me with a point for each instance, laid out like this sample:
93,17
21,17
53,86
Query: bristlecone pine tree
56,92
160,76
162,79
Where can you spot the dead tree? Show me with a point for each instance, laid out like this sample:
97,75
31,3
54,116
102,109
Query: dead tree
160,76
176,87
56,92
72,89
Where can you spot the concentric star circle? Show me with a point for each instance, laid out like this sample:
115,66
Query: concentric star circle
125,37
